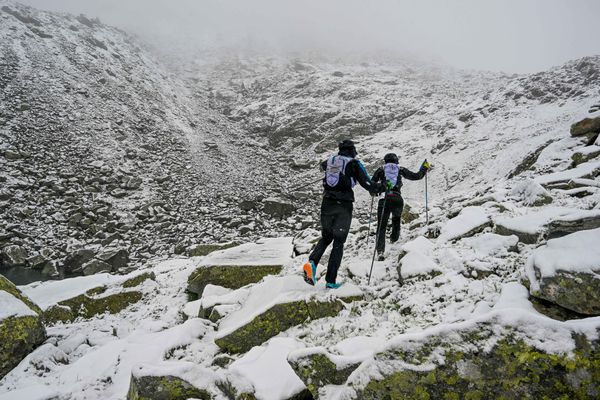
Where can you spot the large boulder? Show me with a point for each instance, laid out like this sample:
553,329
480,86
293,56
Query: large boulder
164,388
86,296
90,304
275,305
241,265
468,222
117,258
566,271
318,368
75,259
589,127
229,276
95,267
13,256
584,220
278,208
21,328
510,368
534,226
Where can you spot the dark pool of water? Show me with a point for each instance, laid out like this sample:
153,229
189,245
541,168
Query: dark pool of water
25,276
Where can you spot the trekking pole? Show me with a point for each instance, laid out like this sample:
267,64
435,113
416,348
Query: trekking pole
377,237
370,218
426,202
305,185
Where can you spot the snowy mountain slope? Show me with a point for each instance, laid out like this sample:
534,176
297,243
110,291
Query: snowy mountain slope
99,144
475,282
476,127
269,121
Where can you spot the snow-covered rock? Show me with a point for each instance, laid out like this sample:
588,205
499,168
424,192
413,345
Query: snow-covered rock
238,266
86,297
469,221
566,271
277,304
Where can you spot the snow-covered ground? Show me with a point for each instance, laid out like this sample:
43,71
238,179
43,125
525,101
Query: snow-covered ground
474,127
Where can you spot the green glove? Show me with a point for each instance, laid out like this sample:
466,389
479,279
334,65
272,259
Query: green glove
425,165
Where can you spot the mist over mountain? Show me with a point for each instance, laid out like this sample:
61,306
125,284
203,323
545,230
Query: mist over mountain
162,196
509,36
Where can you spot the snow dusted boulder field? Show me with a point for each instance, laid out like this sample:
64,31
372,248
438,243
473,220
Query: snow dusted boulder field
497,297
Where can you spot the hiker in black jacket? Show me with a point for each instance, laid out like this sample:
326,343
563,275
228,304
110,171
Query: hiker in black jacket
391,175
342,171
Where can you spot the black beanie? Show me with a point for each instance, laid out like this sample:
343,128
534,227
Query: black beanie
347,146
391,158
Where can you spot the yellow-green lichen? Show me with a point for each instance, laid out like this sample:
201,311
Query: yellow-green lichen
10,288
274,321
18,337
85,306
229,276
205,249
317,370
512,369
137,280
164,388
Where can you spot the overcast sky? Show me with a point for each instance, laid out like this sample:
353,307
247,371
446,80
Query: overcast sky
499,35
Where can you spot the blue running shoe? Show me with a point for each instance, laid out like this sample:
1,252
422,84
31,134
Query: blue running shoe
310,273
333,285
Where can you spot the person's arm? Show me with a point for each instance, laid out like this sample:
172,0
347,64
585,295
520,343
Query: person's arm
414,176
378,175
359,172
324,165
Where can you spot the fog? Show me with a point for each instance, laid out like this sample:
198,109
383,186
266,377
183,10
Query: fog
500,35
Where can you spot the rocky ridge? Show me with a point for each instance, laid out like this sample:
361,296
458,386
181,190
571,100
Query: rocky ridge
102,149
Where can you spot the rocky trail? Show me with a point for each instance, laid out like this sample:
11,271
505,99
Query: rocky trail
498,296
154,218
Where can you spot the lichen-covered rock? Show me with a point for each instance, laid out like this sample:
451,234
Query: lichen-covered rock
582,157
205,249
510,369
408,215
275,320
21,329
9,287
586,126
164,388
19,336
316,370
565,271
229,276
137,280
87,306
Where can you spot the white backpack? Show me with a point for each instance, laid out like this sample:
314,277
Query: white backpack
336,169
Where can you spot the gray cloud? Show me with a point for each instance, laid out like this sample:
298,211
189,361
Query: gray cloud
501,35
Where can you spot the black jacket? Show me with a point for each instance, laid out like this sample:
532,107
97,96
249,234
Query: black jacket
355,170
379,176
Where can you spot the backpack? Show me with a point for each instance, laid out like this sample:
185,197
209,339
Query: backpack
335,173
391,171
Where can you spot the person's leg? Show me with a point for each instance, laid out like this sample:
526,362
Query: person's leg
382,226
396,221
341,227
327,222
